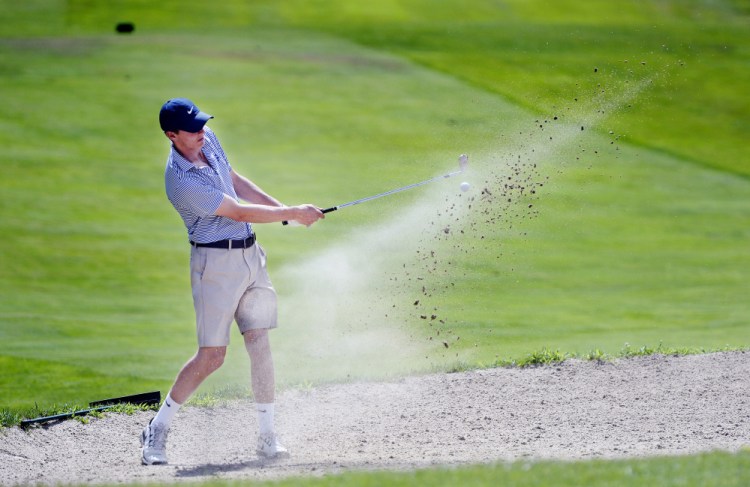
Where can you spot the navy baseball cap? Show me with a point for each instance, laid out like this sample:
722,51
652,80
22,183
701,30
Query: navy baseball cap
182,114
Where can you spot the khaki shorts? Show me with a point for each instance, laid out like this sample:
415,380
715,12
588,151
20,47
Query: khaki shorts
230,285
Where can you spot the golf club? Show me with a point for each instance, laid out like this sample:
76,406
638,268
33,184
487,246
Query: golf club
463,162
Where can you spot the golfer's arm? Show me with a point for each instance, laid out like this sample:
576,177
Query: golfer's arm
250,192
256,213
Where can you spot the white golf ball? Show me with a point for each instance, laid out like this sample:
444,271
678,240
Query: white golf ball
465,186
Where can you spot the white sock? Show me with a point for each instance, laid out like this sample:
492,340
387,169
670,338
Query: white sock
265,418
167,411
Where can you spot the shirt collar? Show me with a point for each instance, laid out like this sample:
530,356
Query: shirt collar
180,160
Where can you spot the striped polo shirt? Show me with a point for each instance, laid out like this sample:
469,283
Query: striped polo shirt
197,192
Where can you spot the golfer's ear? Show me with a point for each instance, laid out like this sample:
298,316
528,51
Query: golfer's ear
170,135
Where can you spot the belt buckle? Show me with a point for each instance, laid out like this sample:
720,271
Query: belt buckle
229,243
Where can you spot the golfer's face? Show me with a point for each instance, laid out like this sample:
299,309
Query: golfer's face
188,142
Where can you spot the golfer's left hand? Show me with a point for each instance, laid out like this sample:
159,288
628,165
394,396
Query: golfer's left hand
307,214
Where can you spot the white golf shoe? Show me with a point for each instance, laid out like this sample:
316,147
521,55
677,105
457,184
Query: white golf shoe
154,444
269,447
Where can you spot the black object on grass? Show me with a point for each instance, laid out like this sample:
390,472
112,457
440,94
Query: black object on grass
124,27
147,398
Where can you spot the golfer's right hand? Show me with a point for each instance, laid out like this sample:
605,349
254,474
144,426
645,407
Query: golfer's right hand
307,214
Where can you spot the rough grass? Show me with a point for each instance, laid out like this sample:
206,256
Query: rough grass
706,470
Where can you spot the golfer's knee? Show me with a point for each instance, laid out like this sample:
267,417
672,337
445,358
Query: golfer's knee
255,337
211,358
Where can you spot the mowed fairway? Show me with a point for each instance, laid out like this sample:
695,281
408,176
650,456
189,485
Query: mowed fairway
638,235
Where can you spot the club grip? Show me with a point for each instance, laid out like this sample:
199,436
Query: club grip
327,210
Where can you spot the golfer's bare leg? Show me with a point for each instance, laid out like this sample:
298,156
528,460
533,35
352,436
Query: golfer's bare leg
263,383
195,371
206,361
262,378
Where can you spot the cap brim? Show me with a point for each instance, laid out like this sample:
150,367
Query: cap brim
197,123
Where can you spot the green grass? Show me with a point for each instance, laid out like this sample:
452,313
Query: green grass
705,470
546,57
638,235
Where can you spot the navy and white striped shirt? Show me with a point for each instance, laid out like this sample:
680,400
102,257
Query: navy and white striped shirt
197,192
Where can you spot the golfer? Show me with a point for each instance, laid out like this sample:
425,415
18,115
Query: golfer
227,269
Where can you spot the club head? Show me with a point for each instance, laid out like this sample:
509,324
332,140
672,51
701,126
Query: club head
463,162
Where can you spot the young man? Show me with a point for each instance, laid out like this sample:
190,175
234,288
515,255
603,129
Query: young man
227,268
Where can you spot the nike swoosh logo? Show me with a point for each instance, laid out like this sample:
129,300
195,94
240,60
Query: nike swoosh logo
167,403
190,112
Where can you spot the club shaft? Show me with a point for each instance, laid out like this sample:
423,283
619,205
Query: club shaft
393,191
463,160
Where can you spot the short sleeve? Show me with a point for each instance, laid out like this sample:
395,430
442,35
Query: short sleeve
200,199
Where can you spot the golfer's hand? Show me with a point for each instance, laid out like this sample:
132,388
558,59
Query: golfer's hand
307,214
